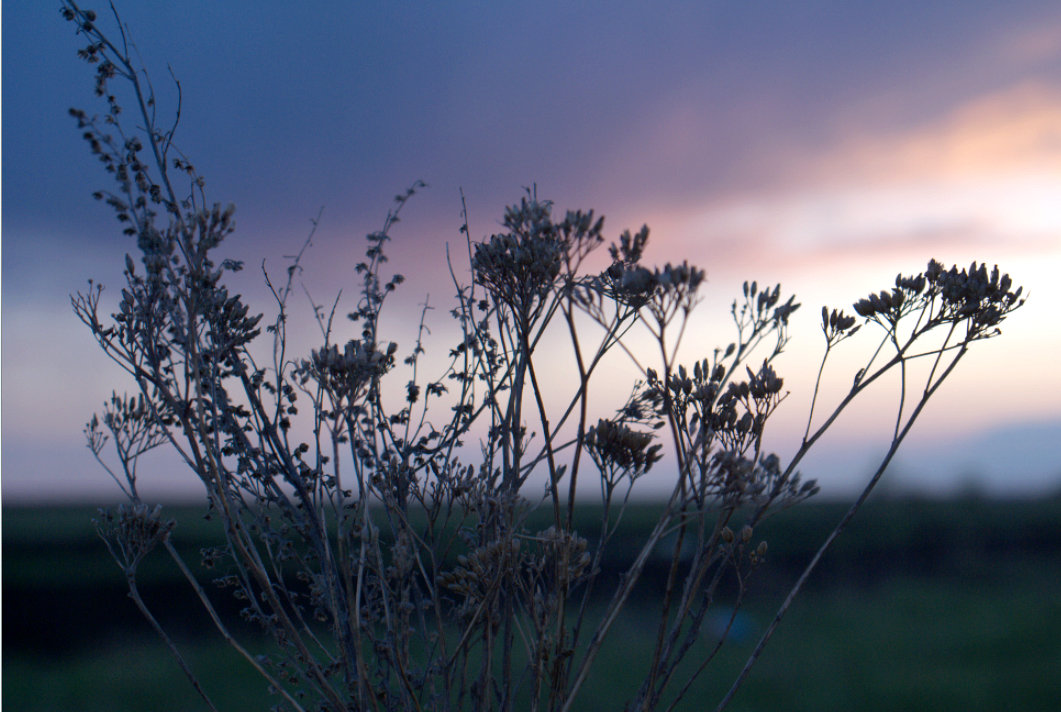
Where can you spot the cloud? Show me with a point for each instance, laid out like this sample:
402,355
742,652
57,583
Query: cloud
977,182
1016,129
1031,45
984,175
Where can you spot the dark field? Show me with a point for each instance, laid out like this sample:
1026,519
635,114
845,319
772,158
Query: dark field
934,605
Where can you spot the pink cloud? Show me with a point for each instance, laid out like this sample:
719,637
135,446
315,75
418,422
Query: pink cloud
984,175
1015,129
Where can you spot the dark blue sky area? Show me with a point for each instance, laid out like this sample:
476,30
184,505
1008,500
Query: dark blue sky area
288,107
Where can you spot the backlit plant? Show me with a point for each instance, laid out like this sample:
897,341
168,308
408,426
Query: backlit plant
397,545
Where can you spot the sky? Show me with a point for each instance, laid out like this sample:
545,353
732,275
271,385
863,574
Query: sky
827,146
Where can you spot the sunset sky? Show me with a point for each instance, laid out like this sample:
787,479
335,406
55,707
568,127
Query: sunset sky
824,145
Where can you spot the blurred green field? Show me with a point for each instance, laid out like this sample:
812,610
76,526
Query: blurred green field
930,605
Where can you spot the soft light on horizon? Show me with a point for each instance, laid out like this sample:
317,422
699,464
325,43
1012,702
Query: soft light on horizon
824,150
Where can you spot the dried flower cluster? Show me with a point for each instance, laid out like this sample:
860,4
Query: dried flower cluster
973,295
392,549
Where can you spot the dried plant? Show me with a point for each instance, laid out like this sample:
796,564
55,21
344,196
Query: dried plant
386,545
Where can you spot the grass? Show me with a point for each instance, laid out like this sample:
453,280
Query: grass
916,644
971,631
132,673
909,643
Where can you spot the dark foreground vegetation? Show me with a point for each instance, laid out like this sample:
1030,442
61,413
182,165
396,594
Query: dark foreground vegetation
386,566
921,605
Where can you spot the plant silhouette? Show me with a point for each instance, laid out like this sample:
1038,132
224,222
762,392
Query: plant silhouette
395,549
